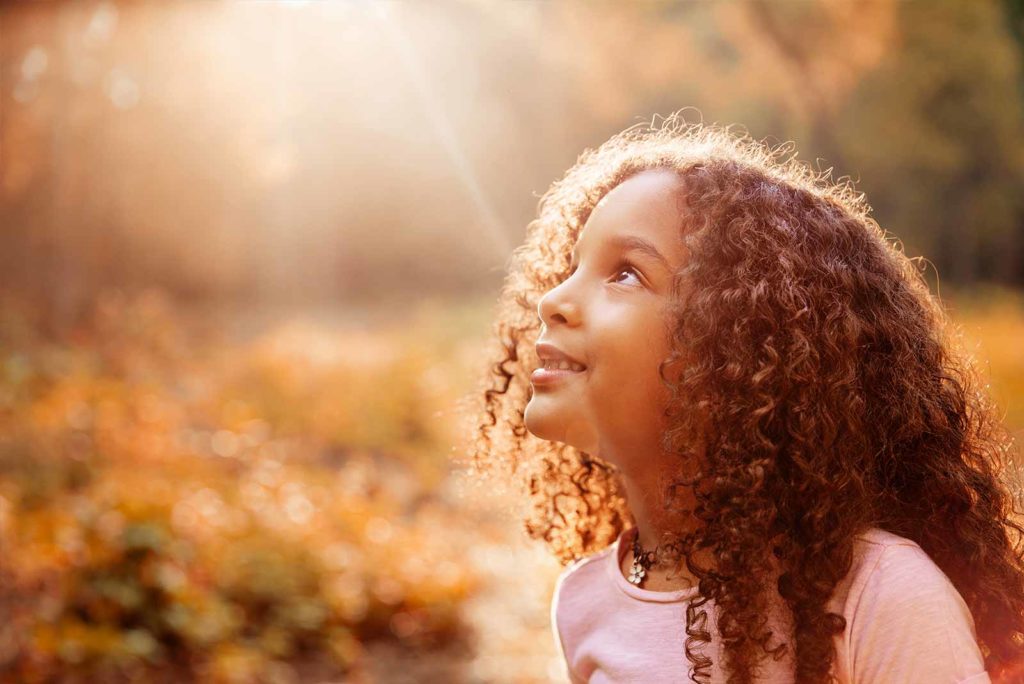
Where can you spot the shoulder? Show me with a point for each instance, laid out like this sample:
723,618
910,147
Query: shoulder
880,559
906,621
898,571
581,573
573,602
577,587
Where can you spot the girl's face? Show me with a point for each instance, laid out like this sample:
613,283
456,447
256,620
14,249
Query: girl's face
609,314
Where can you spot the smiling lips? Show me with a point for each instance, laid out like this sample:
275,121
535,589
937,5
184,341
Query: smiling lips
556,365
555,371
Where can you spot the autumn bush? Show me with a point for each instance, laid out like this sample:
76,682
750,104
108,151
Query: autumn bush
178,506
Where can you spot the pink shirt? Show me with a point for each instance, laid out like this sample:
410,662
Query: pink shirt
905,622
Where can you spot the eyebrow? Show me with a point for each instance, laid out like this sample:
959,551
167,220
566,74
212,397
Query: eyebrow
634,243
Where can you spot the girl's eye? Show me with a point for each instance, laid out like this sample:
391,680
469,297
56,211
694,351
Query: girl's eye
626,267
620,268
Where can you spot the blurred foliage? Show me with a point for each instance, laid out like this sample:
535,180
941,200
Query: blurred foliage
179,508
992,321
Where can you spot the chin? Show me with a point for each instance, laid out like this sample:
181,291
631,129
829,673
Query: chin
571,430
539,423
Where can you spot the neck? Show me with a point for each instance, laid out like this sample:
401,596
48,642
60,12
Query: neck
647,504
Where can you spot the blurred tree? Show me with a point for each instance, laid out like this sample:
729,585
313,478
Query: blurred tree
913,105
393,152
938,136
1015,19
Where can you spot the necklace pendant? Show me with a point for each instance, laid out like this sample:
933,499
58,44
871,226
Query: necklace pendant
637,573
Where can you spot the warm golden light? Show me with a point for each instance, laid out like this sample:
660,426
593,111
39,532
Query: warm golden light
248,259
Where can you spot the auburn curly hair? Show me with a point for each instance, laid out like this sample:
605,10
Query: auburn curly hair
824,390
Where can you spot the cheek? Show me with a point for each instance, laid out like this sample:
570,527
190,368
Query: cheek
626,384
626,410
624,377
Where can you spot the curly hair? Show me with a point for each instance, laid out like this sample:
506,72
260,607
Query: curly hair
823,391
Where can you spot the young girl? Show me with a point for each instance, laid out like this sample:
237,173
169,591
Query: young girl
761,444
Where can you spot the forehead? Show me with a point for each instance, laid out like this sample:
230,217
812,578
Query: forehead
647,205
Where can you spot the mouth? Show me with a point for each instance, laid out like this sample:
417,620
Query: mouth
555,372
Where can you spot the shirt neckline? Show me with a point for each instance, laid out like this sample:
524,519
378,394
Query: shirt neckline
613,562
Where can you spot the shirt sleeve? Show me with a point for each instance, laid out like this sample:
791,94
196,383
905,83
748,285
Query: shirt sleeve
911,625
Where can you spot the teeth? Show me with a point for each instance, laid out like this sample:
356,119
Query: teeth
562,365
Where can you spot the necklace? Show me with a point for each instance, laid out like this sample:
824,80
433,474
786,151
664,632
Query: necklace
642,561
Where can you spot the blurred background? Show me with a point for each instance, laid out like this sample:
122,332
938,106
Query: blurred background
248,256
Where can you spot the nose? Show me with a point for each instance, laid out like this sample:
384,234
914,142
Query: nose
557,305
